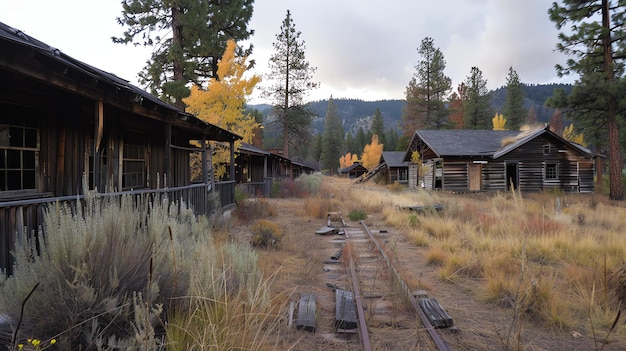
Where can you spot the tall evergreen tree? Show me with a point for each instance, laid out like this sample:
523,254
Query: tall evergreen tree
361,140
351,144
332,139
514,110
291,75
427,91
189,36
378,126
477,110
598,57
392,140
316,153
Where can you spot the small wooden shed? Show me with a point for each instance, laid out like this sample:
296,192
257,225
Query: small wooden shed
495,160
353,171
395,168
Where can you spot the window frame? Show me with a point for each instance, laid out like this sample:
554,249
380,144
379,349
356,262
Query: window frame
19,156
134,165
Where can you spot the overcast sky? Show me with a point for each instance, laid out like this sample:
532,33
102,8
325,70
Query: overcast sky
364,49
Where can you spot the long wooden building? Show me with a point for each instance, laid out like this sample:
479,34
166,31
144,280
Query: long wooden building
493,160
64,123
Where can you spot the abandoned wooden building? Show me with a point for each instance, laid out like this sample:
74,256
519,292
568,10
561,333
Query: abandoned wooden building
353,171
62,120
395,169
495,160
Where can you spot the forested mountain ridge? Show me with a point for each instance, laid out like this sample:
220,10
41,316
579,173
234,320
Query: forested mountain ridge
355,113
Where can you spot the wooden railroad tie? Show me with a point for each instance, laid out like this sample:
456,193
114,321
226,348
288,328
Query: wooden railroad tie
307,313
437,316
345,311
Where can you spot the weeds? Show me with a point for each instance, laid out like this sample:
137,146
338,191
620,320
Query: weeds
111,273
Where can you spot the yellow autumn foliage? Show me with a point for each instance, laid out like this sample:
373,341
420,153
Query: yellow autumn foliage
347,160
569,134
222,103
371,153
499,122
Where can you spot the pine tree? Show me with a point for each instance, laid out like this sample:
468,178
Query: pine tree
392,140
378,126
598,56
476,106
199,32
427,91
514,110
351,144
456,107
316,153
332,139
556,122
291,75
361,139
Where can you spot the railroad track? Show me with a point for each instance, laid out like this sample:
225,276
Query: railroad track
384,304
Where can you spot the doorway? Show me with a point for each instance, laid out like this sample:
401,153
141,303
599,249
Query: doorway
512,178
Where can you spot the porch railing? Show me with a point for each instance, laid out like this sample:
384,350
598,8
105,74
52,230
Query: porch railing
20,219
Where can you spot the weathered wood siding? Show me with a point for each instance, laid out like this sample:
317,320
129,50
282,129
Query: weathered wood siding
455,177
575,172
494,176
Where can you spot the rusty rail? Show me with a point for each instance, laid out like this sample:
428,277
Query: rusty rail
432,332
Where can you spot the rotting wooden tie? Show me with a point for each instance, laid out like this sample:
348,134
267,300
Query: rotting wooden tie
345,312
437,316
307,313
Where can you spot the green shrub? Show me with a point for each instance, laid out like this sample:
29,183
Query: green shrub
357,215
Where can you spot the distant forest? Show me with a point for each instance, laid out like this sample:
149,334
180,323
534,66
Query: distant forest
356,113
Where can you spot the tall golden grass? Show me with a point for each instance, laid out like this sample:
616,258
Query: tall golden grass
545,255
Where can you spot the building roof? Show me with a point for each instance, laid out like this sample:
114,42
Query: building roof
251,149
394,158
354,167
459,142
483,143
102,80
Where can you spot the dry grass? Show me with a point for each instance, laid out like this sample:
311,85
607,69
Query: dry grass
547,256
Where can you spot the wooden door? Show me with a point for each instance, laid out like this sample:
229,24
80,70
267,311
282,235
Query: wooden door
475,177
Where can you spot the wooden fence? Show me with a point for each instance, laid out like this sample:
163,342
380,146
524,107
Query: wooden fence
21,219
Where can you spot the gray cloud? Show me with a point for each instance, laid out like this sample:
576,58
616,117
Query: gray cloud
362,48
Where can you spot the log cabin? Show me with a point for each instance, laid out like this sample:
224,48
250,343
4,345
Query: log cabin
497,160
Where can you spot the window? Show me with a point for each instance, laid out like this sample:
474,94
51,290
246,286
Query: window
552,171
134,161
402,174
19,150
547,149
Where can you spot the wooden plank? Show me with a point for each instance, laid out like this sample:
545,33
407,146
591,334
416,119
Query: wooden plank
307,312
326,230
437,316
337,254
345,311
425,208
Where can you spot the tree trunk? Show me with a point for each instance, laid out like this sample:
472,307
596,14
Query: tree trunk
177,43
616,186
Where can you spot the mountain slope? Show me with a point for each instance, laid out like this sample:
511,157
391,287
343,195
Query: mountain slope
356,113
